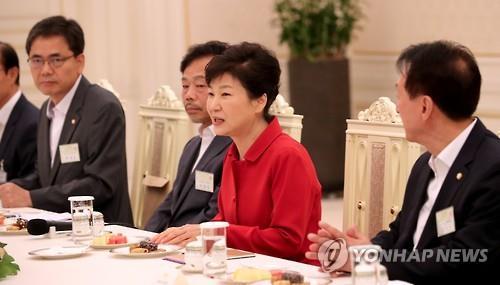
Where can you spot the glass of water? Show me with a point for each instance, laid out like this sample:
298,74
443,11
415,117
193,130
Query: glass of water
81,215
214,250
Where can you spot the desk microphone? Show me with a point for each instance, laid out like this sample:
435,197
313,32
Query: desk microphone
40,226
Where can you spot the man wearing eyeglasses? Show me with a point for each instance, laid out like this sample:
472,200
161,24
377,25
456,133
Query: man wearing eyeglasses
81,133
18,120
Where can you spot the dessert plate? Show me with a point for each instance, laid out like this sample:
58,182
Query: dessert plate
5,232
163,249
60,252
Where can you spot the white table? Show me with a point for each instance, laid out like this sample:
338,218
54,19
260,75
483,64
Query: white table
102,267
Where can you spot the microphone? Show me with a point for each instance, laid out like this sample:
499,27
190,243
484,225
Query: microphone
40,226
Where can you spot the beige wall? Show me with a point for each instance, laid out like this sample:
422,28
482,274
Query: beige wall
137,44
391,25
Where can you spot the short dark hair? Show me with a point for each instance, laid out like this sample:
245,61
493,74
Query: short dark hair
201,50
9,59
254,66
447,72
69,29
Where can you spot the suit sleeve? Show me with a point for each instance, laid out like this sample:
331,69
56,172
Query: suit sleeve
27,154
387,239
28,182
480,231
161,216
294,191
103,170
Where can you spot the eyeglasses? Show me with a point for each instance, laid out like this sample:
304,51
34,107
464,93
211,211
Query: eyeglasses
54,61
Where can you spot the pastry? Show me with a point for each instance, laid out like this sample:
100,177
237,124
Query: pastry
249,274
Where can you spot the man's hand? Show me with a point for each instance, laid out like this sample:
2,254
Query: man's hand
178,235
327,232
13,196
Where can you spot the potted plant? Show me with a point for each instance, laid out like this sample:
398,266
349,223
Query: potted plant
317,33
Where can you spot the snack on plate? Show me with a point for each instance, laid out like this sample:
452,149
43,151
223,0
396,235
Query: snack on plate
138,250
249,274
117,239
109,239
20,224
283,277
144,247
101,240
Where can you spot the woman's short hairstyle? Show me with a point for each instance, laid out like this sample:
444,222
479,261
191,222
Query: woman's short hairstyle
254,66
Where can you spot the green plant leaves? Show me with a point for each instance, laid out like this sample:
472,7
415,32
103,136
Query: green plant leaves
7,265
317,28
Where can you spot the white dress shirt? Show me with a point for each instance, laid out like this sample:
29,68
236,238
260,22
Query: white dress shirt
207,136
57,115
440,165
6,110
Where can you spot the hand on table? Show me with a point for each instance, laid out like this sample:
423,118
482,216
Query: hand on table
13,196
178,235
327,232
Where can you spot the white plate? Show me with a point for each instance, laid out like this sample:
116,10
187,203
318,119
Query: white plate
229,281
59,252
163,249
5,232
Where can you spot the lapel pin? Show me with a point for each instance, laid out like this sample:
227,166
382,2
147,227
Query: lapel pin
459,176
73,121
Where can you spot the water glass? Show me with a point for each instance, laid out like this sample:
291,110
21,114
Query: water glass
81,214
214,250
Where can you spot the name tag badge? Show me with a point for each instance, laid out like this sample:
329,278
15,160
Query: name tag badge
69,153
445,221
204,181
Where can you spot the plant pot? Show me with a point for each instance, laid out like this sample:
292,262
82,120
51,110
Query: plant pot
319,90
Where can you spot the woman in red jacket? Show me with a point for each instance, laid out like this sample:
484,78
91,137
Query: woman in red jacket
270,194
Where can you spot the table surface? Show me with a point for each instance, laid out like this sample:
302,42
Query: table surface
101,266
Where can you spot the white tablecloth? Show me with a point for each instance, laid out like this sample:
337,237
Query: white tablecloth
102,267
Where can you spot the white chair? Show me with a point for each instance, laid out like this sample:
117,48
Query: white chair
289,122
164,129
377,164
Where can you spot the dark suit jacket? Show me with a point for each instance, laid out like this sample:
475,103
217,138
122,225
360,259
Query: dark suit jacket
18,145
185,204
475,198
96,122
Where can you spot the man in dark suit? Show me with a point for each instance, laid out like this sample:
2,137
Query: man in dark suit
18,121
81,132
192,200
450,220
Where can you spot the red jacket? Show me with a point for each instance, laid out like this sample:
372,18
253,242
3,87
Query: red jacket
272,198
